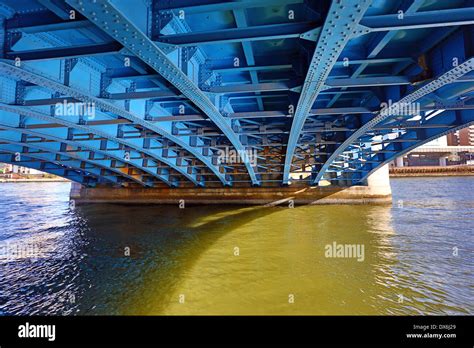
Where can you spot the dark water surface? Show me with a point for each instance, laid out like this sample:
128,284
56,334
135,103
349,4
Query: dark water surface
418,255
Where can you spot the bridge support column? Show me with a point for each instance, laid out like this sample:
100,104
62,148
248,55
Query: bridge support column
379,181
377,191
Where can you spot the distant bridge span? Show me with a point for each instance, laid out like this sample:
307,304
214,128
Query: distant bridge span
249,93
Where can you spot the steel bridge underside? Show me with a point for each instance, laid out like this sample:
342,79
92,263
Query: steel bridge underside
208,93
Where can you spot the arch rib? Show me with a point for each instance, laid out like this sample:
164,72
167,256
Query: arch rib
112,21
81,178
465,119
39,80
71,143
448,77
35,114
343,18
61,153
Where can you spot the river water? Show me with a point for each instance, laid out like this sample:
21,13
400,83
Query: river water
418,255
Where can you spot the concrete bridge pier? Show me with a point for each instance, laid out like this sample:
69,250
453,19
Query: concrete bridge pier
377,191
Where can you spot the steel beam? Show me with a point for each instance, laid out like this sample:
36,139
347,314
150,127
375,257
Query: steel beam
385,113
368,82
142,95
342,20
257,87
103,14
101,104
35,114
203,6
50,157
420,20
259,33
54,26
373,61
253,68
15,136
65,52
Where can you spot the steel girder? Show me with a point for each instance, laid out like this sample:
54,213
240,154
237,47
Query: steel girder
74,174
103,105
24,111
243,34
64,52
75,150
450,122
356,137
342,20
113,22
423,20
395,47
196,6
50,157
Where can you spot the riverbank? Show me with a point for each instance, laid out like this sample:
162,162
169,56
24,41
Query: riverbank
33,180
431,171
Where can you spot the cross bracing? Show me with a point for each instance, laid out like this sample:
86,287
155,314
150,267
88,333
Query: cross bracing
209,93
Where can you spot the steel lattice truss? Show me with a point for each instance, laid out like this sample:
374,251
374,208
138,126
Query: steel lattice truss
208,93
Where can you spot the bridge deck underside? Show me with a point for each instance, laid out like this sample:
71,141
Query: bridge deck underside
209,93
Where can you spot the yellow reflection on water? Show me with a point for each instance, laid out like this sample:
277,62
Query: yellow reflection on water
272,261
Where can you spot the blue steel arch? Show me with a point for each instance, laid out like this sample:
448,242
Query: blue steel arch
21,111
69,162
113,22
386,113
78,175
42,81
15,136
449,126
18,131
297,84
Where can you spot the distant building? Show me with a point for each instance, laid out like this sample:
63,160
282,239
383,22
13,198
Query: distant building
3,167
466,136
452,139
441,152
10,170
462,137
25,170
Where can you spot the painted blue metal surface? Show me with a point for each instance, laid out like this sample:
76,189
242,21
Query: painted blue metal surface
341,22
213,92
79,150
